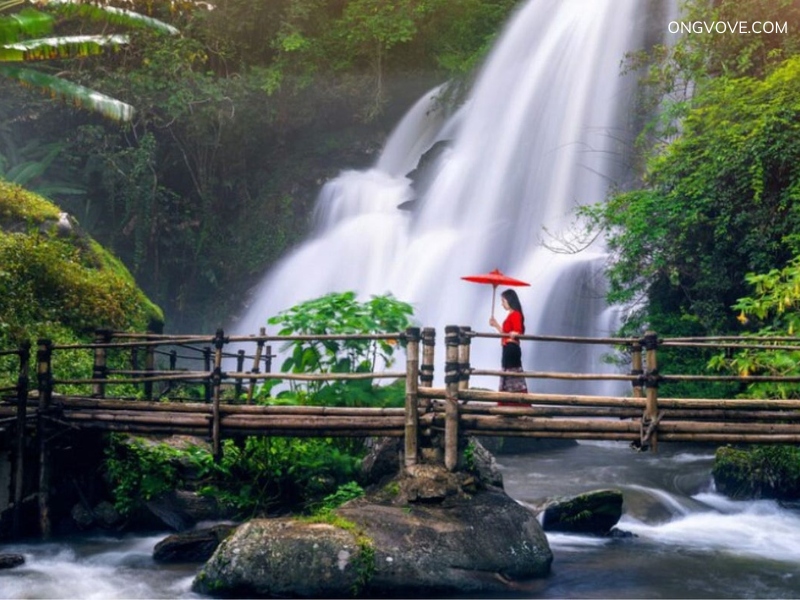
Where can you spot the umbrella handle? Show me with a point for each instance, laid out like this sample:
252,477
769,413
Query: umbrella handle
494,293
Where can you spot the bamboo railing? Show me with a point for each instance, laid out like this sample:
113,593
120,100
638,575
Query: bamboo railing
437,418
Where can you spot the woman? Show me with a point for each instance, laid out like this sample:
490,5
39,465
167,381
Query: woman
514,325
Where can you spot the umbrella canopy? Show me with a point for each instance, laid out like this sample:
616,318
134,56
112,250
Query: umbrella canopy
495,278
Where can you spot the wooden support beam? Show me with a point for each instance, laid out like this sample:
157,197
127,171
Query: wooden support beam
451,379
23,382
45,383
411,442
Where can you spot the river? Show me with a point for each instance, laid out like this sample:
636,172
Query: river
688,542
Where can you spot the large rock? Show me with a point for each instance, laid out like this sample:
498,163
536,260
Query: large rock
427,532
594,512
182,509
11,560
285,558
191,546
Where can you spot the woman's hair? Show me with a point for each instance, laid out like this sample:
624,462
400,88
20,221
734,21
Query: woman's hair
513,303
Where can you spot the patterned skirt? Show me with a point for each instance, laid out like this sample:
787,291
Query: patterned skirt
513,384
512,363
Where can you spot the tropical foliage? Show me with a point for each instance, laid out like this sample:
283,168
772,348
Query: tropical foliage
28,34
774,309
717,202
708,243
341,313
255,477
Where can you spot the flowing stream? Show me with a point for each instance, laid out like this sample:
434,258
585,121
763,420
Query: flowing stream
688,541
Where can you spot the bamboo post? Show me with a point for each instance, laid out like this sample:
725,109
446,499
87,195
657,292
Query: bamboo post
134,358
216,379
100,369
636,369
23,381
45,384
239,368
173,359
149,366
207,369
411,441
451,379
650,419
268,356
464,340
426,368
256,362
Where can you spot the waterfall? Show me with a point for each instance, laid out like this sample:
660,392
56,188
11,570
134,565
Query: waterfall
546,128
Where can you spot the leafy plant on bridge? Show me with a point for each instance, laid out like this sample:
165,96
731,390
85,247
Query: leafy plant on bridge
340,313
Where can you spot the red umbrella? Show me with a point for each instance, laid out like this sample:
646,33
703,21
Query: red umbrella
496,278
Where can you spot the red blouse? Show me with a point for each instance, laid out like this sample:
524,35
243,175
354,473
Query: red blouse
513,323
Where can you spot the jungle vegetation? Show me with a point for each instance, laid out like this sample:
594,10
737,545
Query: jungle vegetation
233,114
708,242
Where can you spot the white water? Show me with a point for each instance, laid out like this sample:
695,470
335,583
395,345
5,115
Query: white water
689,541
544,130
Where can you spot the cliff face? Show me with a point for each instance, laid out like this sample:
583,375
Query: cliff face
56,281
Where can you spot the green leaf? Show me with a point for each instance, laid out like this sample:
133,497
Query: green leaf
74,93
64,47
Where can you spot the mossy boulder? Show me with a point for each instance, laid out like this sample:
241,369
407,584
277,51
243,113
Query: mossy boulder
428,533
594,512
284,558
57,282
759,472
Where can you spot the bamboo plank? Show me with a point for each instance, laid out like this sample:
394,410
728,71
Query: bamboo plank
108,404
558,375
319,377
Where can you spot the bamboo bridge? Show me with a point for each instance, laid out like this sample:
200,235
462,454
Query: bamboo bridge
127,382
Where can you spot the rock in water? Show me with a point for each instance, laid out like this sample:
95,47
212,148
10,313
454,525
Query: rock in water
594,512
427,532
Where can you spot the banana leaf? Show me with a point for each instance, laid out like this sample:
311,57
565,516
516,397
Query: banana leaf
71,46
26,23
78,95
109,14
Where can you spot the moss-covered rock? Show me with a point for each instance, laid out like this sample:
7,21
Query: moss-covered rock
758,472
594,512
57,282
443,534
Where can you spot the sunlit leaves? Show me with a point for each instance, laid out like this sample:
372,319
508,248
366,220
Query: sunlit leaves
341,314
26,23
60,47
773,307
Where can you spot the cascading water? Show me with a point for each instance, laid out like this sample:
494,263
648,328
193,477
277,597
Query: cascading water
545,129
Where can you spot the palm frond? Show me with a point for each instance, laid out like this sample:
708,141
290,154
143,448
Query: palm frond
25,23
72,46
111,14
78,95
